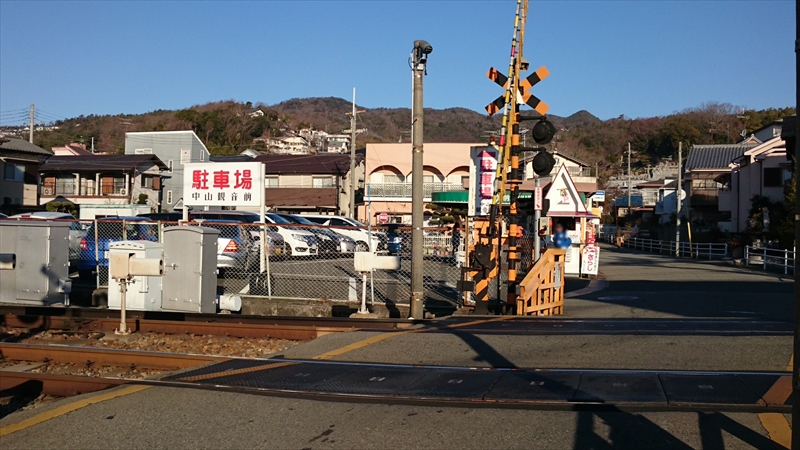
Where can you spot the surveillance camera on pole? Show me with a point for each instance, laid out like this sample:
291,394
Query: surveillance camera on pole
419,61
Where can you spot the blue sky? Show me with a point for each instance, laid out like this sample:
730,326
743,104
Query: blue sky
611,58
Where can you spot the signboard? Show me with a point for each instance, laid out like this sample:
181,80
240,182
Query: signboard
563,198
599,196
223,184
186,155
590,260
383,217
483,164
537,203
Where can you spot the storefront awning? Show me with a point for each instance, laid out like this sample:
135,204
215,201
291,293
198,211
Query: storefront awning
450,197
463,197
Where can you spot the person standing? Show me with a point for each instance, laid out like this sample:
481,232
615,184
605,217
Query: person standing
560,238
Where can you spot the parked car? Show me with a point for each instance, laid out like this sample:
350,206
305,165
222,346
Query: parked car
298,242
396,235
3,216
353,229
108,231
76,231
275,240
237,249
329,240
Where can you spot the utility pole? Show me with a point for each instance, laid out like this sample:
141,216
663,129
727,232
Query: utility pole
419,59
92,144
679,194
30,122
629,181
352,210
796,359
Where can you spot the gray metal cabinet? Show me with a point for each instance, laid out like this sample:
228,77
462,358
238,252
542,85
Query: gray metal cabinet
41,276
190,269
144,294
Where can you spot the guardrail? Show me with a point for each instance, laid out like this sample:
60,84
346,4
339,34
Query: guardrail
770,257
698,250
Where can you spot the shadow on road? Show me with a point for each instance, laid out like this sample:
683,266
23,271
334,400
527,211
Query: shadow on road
634,431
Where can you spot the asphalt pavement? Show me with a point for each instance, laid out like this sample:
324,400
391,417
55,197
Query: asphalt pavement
639,287
174,418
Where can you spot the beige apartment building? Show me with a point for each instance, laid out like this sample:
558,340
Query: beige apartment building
388,177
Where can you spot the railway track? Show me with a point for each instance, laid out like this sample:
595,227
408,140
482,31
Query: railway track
556,389
275,327
64,385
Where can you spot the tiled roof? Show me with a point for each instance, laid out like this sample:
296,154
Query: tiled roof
715,156
21,145
99,162
333,164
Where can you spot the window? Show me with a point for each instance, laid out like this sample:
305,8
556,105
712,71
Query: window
271,182
322,182
14,172
465,180
169,197
773,177
147,181
392,178
427,178
169,165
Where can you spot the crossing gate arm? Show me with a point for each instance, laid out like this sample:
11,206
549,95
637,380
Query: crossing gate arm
542,289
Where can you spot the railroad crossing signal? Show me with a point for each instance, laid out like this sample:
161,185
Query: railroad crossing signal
524,95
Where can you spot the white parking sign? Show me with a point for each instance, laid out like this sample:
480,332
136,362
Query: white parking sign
223,184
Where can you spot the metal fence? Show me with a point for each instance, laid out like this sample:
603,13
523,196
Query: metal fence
291,261
698,250
770,258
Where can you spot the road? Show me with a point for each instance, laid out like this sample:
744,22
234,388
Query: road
715,316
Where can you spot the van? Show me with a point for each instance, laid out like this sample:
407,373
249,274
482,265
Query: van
353,229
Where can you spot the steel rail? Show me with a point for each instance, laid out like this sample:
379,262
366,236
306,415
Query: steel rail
277,327
104,356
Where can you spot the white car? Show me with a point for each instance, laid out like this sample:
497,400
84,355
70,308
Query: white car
298,242
76,231
353,229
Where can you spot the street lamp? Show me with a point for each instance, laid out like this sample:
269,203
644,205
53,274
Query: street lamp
419,61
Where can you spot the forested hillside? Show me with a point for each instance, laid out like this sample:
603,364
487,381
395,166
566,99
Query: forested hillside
226,128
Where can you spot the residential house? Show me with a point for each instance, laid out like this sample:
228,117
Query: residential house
253,112
19,163
768,132
704,179
762,170
666,202
71,149
102,179
310,183
388,171
287,145
174,149
337,143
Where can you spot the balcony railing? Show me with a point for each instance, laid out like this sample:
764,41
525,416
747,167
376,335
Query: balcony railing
403,190
580,171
